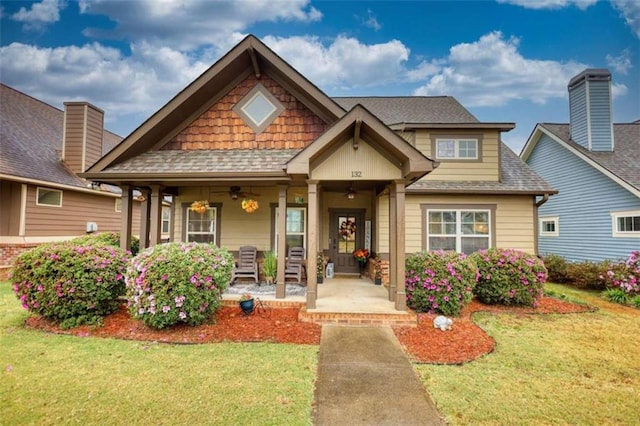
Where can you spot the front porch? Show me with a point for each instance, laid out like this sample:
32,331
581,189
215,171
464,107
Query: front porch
342,300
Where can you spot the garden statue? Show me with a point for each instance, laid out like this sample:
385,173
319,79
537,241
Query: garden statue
442,322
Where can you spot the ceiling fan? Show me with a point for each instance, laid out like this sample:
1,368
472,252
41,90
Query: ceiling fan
235,192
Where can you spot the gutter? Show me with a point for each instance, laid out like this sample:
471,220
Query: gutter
545,198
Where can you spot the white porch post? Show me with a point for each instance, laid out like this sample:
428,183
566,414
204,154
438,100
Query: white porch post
312,244
281,289
156,215
393,242
399,255
145,215
125,223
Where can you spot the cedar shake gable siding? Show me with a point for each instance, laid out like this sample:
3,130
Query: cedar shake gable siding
221,128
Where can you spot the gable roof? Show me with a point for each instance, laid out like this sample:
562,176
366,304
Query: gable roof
248,56
622,164
31,141
516,177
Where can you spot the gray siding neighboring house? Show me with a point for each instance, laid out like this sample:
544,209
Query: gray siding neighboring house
596,167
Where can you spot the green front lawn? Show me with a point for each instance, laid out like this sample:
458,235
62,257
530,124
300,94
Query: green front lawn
52,379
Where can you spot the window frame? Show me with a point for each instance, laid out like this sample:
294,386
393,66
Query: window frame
118,205
41,188
553,219
274,224
457,138
615,216
217,225
167,220
459,209
239,108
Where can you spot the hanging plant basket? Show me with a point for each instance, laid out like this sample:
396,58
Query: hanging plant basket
200,206
249,205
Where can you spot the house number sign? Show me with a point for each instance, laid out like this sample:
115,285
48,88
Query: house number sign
356,173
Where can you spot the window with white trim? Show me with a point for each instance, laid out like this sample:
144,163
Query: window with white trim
296,227
118,205
457,149
464,230
201,227
626,223
166,217
549,226
49,197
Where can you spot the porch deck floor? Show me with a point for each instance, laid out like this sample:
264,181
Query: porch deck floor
352,295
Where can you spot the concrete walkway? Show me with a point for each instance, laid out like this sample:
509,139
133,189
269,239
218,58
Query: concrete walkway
365,378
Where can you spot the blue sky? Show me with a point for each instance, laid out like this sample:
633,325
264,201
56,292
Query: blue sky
505,60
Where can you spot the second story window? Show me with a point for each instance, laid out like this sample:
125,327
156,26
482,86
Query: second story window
457,149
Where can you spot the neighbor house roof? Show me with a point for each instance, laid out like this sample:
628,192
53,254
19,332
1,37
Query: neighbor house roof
515,177
31,140
623,161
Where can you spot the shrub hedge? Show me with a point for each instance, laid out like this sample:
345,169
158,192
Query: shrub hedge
509,277
68,283
439,281
107,238
177,283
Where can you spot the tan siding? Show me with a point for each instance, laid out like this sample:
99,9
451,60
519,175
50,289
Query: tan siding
409,136
346,163
485,170
10,208
71,219
94,136
74,132
514,220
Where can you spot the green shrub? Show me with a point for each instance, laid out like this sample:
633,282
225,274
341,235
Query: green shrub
625,275
70,284
616,295
635,301
107,238
439,281
509,277
556,268
588,275
177,283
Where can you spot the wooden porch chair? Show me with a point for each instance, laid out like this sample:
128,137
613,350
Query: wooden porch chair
295,264
247,265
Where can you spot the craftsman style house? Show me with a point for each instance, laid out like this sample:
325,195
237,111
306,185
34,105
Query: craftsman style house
273,162
595,164
42,150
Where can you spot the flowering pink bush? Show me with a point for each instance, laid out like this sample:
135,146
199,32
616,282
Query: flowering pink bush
68,283
439,281
177,283
626,275
509,277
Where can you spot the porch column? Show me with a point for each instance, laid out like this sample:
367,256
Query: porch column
281,289
145,215
155,225
125,220
399,255
312,244
393,243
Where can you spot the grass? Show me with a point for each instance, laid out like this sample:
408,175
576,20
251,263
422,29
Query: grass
548,369
52,379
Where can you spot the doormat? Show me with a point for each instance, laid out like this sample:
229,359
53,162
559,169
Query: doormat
265,289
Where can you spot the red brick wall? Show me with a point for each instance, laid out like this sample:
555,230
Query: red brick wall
8,253
221,128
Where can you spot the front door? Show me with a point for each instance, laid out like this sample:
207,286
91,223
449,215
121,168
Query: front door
347,235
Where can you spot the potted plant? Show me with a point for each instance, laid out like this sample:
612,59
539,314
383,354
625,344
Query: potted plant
377,270
246,303
320,267
270,266
249,205
199,206
361,255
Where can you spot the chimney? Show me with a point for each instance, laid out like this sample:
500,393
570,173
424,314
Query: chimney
590,110
82,135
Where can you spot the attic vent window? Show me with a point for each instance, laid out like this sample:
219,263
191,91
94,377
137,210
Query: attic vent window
259,108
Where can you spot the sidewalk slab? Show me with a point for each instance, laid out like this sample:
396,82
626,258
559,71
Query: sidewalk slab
365,378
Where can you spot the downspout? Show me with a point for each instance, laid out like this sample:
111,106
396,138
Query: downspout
545,198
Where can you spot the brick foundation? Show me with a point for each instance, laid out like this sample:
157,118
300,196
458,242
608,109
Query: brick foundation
9,253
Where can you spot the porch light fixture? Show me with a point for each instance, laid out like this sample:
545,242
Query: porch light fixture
351,193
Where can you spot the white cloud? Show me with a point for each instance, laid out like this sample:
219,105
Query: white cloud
371,21
550,4
40,14
491,72
620,63
121,85
346,62
187,25
630,11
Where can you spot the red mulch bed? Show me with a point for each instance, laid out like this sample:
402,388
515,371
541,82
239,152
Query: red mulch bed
465,342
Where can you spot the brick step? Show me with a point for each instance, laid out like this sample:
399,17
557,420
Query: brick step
407,319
